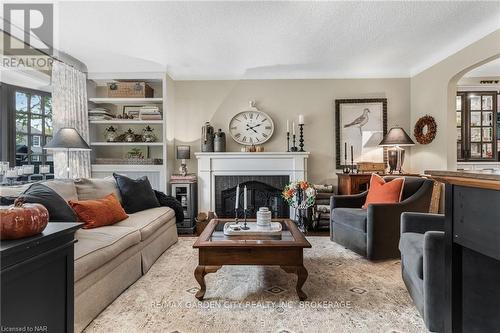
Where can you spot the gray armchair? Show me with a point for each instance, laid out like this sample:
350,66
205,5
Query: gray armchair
374,232
422,249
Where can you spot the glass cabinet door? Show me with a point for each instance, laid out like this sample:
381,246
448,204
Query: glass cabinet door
476,126
460,104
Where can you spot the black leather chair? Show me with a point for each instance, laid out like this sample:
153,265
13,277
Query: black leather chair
422,249
374,232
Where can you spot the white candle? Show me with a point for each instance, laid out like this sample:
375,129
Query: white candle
245,198
237,197
28,169
12,173
301,119
44,169
293,127
287,126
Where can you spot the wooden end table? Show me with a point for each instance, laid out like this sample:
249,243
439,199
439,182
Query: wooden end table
216,249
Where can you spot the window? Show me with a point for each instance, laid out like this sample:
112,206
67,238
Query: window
33,119
477,126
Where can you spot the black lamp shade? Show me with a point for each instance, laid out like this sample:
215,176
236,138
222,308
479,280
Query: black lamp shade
397,137
67,138
183,152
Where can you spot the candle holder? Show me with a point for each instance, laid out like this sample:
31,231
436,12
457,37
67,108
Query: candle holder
301,140
245,227
294,147
288,141
236,220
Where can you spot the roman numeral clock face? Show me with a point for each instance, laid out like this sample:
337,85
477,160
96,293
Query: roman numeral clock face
251,127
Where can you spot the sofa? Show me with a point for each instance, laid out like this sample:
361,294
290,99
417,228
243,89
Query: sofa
111,258
374,232
422,247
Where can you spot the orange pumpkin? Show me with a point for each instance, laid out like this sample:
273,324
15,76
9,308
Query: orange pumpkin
22,220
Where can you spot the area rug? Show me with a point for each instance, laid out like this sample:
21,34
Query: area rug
346,293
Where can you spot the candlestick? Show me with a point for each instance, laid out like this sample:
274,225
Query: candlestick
244,227
288,141
301,140
294,147
237,197
301,119
245,199
345,152
352,159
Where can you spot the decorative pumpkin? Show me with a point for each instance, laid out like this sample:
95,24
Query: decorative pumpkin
425,130
22,220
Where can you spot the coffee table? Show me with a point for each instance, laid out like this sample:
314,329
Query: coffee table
216,249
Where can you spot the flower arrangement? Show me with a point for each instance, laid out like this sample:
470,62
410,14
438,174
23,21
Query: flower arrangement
301,194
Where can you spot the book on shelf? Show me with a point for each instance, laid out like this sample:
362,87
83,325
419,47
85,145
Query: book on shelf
191,178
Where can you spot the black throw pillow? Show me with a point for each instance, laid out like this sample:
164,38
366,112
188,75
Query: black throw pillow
137,194
59,210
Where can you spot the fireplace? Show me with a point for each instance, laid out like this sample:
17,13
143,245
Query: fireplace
262,191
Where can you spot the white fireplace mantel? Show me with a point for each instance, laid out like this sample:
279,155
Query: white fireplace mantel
210,165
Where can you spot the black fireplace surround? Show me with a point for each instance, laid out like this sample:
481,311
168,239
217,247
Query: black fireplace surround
262,191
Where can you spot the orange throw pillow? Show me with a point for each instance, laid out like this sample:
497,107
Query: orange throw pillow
98,213
382,192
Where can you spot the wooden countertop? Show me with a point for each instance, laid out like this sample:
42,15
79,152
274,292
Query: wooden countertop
487,179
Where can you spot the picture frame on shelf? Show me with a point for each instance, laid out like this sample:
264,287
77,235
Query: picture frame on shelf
362,124
131,111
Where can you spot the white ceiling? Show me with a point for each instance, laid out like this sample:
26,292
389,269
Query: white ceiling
491,68
237,40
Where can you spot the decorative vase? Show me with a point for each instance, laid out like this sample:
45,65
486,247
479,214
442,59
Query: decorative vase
110,134
130,136
207,138
220,142
263,217
148,135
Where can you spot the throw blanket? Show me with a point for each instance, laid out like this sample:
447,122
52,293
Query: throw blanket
169,201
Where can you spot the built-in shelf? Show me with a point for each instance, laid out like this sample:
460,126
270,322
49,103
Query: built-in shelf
109,100
126,143
127,122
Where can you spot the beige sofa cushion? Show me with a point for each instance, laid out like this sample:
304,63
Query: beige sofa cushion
65,188
149,220
95,247
96,188
13,191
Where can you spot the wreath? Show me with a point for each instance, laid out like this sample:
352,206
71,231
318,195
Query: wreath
418,132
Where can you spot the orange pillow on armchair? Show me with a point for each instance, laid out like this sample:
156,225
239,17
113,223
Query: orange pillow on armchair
382,192
98,213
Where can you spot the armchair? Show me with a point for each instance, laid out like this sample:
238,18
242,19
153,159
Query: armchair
374,232
422,264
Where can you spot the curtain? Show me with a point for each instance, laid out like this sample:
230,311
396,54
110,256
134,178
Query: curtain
69,107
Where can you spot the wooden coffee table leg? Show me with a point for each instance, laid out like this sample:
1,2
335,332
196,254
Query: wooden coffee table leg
301,279
302,274
199,275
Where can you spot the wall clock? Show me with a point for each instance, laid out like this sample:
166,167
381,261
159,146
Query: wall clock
251,127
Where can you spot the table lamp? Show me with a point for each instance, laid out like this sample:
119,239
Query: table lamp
395,139
67,139
183,154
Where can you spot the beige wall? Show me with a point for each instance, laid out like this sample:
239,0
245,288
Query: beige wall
217,101
433,92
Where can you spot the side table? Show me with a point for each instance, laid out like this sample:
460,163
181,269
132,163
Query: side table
37,280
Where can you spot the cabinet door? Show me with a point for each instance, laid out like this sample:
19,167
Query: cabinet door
460,117
477,126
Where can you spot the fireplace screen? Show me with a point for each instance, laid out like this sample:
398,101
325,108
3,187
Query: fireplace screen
262,191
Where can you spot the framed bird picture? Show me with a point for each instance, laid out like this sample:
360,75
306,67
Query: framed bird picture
362,124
